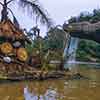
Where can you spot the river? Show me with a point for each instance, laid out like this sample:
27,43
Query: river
80,89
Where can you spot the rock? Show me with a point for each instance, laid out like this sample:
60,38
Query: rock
16,44
7,59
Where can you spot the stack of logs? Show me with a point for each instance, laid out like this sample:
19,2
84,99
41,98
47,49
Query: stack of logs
13,42
12,45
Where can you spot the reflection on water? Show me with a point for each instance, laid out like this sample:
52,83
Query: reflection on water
48,95
55,89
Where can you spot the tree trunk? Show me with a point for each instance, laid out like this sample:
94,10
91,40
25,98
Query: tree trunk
4,13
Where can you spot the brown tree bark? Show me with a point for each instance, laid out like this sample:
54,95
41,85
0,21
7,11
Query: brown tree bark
4,13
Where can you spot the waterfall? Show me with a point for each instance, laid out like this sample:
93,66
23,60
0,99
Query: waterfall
70,51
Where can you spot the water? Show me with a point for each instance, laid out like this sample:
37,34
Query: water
83,89
70,51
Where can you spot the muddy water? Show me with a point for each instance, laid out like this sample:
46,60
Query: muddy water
84,89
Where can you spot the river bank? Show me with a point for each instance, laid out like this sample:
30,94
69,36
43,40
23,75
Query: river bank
15,72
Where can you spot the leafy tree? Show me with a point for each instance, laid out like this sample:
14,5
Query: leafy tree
72,19
96,16
88,50
57,38
86,16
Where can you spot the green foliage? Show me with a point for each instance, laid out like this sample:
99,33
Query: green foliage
56,39
2,40
86,16
29,48
88,51
49,48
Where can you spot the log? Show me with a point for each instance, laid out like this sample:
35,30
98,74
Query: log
6,48
22,54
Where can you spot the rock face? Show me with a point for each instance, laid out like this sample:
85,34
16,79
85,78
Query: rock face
84,30
85,26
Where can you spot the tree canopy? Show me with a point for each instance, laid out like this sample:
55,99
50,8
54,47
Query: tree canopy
86,16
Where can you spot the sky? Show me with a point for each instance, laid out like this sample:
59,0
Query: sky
59,10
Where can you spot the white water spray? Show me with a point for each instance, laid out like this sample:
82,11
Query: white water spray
70,52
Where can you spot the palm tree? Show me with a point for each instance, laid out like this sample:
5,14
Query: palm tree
32,6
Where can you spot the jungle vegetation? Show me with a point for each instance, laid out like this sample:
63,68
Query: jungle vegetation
88,50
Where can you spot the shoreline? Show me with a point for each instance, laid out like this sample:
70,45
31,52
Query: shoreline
54,75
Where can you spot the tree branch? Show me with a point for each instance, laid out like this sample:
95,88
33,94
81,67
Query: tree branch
1,3
10,11
9,1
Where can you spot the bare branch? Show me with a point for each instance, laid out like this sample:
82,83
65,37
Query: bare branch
1,3
9,1
10,11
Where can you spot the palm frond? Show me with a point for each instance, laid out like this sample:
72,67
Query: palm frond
35,9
